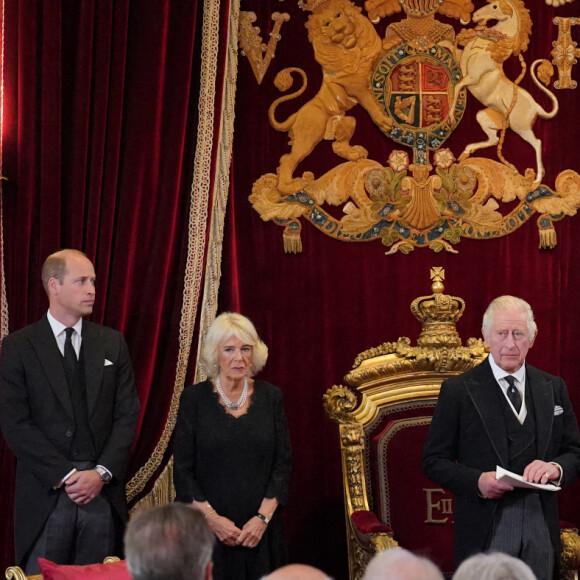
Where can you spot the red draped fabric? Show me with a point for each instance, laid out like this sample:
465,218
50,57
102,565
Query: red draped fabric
100,109
100,135
318,309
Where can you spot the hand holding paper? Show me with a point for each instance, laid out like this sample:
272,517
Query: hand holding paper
516,480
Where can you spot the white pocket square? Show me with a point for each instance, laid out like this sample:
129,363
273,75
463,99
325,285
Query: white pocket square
108,363
558,410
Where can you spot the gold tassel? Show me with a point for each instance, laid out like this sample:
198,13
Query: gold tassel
548,239
163,491
292,240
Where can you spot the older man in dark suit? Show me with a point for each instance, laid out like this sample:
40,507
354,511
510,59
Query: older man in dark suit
69,409
505,412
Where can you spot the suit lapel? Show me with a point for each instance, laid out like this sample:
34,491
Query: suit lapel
542,392
483,390
94,360
51,360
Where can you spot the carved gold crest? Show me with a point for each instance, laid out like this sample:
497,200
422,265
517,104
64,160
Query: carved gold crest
413,83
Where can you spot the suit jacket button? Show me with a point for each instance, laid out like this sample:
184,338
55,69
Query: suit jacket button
68,433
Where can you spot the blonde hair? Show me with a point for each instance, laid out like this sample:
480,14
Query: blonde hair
505,303
225,326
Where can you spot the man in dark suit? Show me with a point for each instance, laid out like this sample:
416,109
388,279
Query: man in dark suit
524,423
68,409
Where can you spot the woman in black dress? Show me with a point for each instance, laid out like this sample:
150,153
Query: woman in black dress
232,452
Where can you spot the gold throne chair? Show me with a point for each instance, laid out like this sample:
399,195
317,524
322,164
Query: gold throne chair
383,421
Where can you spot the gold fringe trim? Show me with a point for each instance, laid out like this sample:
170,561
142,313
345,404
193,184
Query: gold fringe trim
3,299
198,216
162,493
197,229
221,188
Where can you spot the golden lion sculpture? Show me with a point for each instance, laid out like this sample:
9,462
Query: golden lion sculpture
346,45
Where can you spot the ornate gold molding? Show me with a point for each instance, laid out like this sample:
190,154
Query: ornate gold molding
570,553
565,52
259,54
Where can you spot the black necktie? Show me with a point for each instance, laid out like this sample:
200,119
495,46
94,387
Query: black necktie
70,356
513,393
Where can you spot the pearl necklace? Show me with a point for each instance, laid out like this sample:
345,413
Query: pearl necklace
234,406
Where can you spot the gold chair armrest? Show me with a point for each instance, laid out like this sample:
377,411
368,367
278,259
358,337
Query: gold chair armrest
570,553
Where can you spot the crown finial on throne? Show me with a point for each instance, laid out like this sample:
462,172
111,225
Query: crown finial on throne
438,314
310,5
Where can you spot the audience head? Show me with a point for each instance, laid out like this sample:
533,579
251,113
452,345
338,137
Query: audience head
400,564
224,327
297,572
169,542
494,566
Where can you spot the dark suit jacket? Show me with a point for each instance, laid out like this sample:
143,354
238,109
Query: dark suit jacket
468,436
37,420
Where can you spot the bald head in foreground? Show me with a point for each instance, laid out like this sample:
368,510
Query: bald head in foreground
494,565
297,572
400,564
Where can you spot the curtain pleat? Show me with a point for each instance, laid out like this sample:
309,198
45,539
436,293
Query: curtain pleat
101,154
209,193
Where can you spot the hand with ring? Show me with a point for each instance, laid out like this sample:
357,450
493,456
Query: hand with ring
541,472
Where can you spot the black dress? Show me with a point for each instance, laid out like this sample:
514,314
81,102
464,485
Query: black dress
233,463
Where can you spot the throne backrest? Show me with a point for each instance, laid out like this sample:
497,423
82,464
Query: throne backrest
419,512
382,432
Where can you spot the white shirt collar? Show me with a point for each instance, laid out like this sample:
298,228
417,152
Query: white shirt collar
499,373
58,327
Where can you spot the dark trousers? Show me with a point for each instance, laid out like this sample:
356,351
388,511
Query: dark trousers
520,530
75,534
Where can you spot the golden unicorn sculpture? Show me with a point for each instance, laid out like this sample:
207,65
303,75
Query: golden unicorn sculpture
508,105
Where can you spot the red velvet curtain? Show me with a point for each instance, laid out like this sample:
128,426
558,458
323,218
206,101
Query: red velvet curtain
100,123
318,309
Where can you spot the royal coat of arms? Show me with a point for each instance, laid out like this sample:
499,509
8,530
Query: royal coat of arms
413,83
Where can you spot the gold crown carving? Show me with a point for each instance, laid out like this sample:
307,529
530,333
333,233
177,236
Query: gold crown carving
420,7
438,314
310,5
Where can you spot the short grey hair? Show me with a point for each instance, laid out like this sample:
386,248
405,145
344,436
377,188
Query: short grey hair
225,326
168,541
400,564
505,303
492,566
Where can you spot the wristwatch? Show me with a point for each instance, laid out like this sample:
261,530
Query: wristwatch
264,518
105,475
